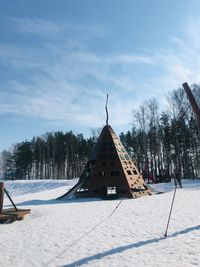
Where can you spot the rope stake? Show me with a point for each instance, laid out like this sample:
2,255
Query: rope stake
165,235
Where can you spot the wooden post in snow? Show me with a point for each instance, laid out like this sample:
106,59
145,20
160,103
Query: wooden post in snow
1,196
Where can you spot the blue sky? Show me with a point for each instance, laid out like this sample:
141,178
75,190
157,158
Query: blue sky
59,59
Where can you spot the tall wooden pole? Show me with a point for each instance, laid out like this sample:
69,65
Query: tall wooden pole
192,100
1,195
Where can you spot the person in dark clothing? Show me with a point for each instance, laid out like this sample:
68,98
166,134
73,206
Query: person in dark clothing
177,179
145,174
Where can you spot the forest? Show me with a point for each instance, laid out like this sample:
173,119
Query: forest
162,141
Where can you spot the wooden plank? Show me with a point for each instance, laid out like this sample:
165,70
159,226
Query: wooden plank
9,215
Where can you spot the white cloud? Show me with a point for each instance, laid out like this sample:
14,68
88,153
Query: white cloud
192,30
62,80
52,30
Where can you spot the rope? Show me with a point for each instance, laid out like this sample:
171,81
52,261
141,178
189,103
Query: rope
87,233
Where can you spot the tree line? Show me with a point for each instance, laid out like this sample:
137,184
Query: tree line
166,144
161,143
55,155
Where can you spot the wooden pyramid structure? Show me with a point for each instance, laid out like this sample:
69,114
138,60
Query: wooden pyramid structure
109,172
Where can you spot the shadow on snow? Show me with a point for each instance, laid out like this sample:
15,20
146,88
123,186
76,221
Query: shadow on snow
121,249
37,202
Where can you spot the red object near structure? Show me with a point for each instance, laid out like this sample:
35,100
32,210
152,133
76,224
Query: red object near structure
151,179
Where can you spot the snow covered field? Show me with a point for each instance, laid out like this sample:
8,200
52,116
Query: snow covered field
133,235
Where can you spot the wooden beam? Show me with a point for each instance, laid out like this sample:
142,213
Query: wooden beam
192,100
1,196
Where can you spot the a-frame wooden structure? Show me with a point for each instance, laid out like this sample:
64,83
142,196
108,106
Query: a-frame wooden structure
109,172
10,214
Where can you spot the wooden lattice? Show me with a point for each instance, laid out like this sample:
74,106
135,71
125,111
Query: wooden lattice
110,172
